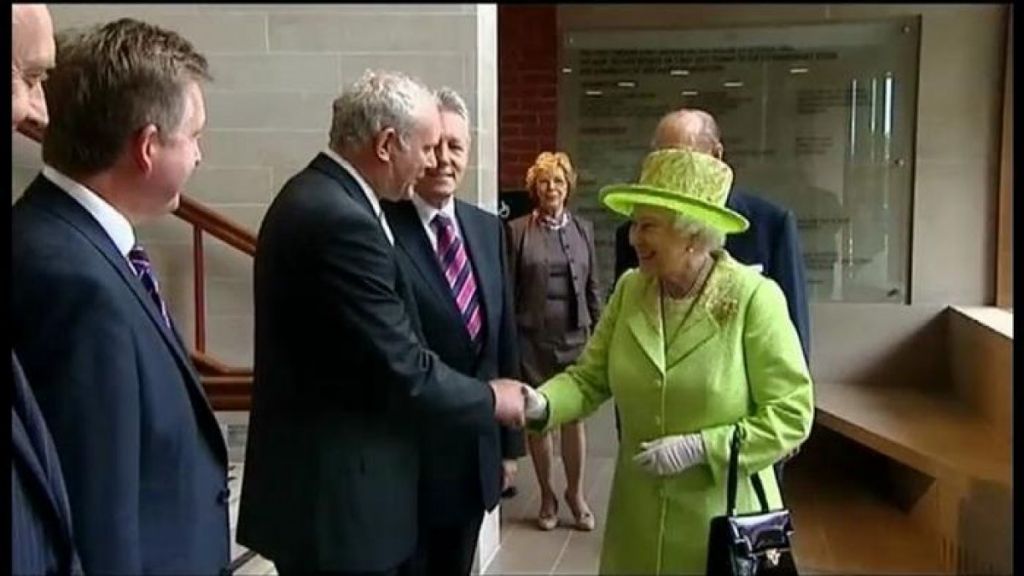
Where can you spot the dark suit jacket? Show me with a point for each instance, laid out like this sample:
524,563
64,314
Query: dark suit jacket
530,283
461,472
141,450
772,240
41,541
341,378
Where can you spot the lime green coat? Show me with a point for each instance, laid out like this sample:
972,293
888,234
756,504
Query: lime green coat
736,360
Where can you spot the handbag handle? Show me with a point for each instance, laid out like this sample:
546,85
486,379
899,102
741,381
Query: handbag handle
734,457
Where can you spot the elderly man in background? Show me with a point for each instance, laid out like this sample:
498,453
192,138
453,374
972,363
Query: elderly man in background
453,255
141,450
41,533
344,383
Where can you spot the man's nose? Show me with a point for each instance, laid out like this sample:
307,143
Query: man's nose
37,113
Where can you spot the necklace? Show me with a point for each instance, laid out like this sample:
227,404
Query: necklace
697,280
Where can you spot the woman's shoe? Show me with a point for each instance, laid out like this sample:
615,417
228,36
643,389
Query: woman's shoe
584,517
548,522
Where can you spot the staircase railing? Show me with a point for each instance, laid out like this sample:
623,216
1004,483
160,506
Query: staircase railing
227,387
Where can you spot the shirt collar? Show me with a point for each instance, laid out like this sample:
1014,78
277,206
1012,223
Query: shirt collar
363,184
427,211
117,227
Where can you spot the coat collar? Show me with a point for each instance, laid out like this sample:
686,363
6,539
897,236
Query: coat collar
715,305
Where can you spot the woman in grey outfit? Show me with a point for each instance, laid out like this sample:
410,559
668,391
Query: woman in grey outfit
551,253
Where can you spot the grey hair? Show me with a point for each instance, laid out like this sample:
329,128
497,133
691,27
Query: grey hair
695,129
377,101
705,237
450,101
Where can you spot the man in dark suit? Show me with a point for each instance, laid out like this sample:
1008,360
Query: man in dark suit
141,451
771,243
449,248
41,533
343,383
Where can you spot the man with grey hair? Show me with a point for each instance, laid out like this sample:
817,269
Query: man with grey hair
41,532
771,243
452,253
139,446
344,384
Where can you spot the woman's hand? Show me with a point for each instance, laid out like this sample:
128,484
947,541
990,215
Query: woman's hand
536,405
671,454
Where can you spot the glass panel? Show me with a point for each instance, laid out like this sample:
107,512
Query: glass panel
818,118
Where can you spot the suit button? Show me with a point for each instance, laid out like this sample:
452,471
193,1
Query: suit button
223,496
657,420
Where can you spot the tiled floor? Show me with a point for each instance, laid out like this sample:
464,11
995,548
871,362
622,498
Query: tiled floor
830,516
525,549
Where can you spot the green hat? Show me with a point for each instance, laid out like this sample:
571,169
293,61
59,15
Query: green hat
686,182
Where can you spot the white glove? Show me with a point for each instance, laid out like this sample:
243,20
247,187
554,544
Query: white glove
536,405
671,454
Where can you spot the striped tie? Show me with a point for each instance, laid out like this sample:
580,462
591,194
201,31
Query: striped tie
459,273
144,270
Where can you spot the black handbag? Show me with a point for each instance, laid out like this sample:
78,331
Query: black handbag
756,544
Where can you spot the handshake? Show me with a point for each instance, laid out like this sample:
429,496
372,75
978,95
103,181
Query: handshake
515,403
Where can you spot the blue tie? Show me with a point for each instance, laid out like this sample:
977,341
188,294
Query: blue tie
144,270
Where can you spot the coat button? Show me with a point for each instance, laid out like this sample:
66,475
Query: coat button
223,496
657,420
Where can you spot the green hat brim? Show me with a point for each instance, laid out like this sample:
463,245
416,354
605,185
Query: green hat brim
621,198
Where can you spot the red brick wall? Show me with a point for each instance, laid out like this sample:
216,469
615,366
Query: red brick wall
527,88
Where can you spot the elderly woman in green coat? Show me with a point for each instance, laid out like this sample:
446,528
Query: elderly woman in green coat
691,345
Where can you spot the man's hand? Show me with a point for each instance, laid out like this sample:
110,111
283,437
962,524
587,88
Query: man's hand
671,454
509,404
508,470
536,405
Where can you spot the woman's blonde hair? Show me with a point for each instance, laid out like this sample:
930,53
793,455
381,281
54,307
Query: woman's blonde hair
550,161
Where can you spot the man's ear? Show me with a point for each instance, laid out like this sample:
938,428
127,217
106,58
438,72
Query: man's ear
718,150
144,147
382,143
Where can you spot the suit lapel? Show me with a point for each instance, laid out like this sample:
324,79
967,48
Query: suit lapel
412,239
698,325
57,202
644,323
698,328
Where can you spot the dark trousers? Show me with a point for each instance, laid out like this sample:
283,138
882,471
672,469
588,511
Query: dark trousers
445,550
778,465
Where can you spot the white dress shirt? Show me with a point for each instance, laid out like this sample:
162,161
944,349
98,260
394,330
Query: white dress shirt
367,191
117,227
427,213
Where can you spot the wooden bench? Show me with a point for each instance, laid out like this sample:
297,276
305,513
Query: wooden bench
935,435
913,405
